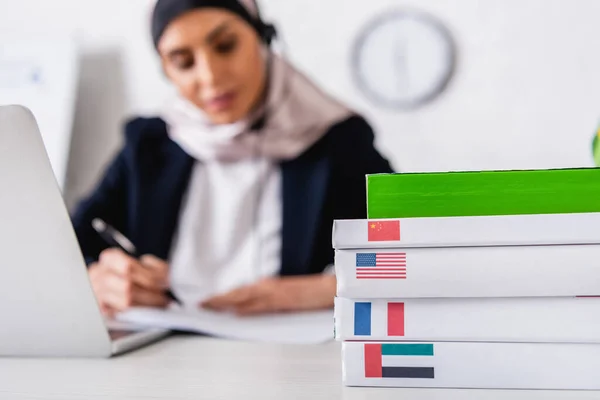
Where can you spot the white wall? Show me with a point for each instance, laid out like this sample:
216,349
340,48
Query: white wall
526,93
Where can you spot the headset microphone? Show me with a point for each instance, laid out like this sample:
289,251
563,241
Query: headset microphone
259,124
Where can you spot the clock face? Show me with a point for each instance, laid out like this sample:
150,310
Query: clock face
403,59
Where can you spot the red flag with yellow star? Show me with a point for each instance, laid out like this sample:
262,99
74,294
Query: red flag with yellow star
384,231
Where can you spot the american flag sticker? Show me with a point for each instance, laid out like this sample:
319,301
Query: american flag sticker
381,266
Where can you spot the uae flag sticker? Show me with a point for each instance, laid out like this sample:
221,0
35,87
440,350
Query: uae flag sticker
399,360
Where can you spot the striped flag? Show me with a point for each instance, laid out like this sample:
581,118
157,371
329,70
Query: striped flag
399,360
392,322
381,266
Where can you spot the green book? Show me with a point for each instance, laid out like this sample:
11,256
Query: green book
454,194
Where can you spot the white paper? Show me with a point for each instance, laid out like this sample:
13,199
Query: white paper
42,74
293,328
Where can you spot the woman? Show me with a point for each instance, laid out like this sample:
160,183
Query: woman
233,191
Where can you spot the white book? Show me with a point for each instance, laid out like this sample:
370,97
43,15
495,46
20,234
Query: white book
517,271
472,365
509,230
525,320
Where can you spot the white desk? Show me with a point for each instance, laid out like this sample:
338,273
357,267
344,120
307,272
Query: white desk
195,368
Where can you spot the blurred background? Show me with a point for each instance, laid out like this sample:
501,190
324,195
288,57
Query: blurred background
509,84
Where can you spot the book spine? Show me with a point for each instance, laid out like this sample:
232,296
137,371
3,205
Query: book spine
527,320
472,365
481,272
513,230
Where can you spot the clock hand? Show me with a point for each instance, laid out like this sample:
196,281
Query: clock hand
400,62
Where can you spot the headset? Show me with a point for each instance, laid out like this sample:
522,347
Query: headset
267,31
268,34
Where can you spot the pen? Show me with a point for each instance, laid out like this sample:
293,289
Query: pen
115,238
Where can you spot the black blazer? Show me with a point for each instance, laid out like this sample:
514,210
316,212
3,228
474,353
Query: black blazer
142,190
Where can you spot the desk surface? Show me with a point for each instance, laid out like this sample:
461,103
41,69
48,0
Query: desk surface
188,367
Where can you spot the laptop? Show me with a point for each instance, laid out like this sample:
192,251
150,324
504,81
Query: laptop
47,306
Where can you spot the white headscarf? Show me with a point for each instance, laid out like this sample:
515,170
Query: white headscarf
297,114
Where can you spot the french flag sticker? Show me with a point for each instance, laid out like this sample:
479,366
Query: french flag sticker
390,323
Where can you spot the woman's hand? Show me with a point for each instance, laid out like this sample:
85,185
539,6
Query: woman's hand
121,282
278,295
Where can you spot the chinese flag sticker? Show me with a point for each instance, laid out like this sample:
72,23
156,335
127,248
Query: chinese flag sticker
384,231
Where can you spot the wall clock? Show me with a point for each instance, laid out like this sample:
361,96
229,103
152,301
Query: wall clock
403,59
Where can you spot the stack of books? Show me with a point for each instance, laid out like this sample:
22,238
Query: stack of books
472,280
